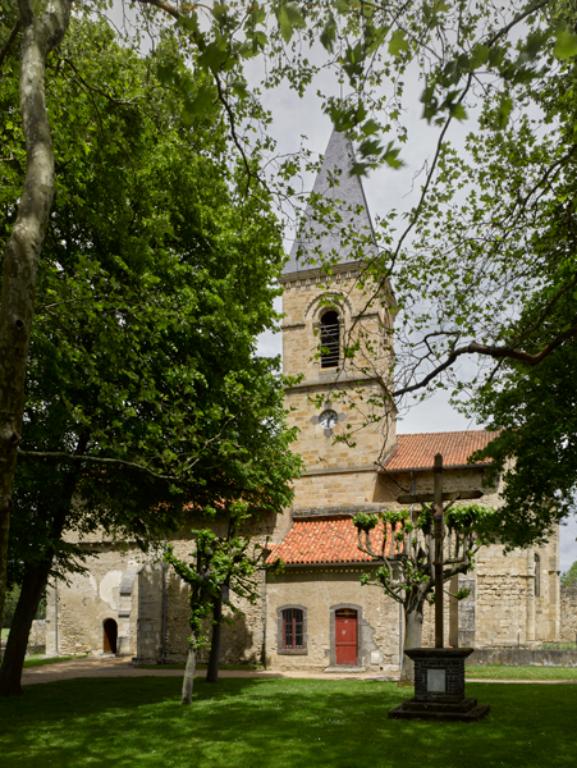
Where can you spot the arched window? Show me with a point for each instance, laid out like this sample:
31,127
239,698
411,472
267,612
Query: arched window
330,339
292,630
537,576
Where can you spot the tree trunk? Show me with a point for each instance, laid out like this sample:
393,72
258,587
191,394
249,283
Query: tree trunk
189,671
413,639
33,587
214,656
43,25
454,611
34,581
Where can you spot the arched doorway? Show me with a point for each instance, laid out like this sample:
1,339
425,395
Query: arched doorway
109,636
346,637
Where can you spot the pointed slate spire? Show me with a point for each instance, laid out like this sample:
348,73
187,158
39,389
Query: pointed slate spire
340,232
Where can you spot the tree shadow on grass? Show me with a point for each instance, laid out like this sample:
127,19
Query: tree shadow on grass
255,722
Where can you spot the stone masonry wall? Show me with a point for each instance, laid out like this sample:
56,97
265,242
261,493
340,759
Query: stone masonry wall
317,591
76,610
568,614
348,389
150,606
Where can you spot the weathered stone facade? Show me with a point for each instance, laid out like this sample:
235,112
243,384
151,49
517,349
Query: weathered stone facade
514,598
568,633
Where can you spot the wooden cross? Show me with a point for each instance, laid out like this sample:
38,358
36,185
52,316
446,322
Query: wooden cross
439,533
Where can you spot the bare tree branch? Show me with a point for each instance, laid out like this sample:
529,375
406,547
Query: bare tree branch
497,352
74,458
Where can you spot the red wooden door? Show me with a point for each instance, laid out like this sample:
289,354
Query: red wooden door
346,636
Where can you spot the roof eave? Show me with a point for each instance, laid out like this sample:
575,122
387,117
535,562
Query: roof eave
404,470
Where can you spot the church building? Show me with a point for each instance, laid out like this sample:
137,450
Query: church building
314,613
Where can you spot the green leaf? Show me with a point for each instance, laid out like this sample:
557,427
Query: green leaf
295,15
369,127
479,55
369,148
566,45
353,61
289,18
391,156
215,55
202,103
459,112
504,111
329,33
398,44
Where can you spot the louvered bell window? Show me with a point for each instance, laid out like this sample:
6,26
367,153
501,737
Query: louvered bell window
330,339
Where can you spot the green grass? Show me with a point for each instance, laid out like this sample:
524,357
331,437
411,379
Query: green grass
257,723
503,672
42,661
202,667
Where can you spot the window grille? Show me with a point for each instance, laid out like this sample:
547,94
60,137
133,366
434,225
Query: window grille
330,339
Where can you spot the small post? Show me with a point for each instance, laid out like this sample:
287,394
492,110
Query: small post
439,534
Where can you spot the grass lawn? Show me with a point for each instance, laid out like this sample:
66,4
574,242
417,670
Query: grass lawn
256,723
42,661
502,672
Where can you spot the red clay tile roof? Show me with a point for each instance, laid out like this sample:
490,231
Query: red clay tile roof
418,451
324,540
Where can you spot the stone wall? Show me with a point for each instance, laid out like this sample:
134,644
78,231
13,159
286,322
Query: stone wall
569,614
348,390
150,606
77,609
538,657
317,591
37,637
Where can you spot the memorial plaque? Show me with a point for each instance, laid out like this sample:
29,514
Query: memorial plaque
436,681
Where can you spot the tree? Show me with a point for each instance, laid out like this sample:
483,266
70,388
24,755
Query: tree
220,564
483,263
41,26
569,578
402,544
143,387
501,58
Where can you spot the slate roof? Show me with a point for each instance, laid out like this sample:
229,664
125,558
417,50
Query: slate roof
335,184
417,451
324,541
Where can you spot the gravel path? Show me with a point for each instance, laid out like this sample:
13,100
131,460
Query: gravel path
115,667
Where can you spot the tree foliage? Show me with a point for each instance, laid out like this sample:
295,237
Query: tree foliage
483,263
488,241
401,544
569,578
223,562
144,389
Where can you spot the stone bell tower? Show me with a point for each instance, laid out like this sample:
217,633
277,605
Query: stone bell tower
337,337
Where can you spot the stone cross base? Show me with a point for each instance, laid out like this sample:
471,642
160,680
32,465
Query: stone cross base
440,687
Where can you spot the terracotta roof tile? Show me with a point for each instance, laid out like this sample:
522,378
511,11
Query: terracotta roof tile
418,451
323,540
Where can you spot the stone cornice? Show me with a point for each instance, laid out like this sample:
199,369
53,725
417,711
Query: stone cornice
317,275
332,380
343,510
347,567
340,470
